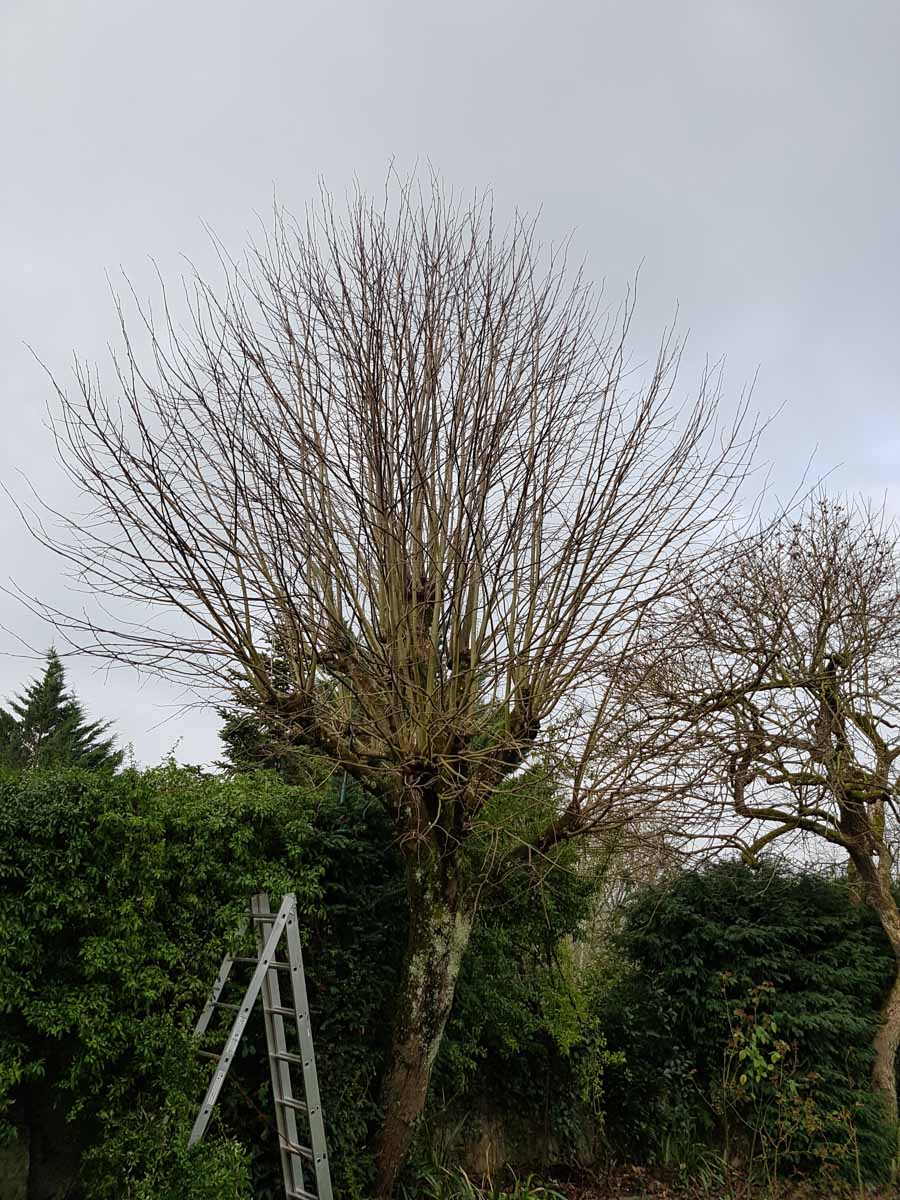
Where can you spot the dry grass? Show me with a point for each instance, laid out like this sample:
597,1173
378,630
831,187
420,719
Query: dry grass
635,1183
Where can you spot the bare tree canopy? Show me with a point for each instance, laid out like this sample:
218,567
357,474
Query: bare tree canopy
407,447
792,681
413,450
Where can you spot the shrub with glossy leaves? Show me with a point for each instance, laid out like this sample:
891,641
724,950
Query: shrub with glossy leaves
117,895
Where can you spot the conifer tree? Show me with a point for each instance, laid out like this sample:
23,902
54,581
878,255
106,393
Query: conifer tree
46,727
252,740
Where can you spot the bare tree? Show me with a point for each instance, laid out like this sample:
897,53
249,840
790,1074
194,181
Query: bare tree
406,442
791,675
629,856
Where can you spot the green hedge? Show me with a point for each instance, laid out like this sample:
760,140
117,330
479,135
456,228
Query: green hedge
116,897
745,1011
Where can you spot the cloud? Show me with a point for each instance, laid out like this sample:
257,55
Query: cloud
746,153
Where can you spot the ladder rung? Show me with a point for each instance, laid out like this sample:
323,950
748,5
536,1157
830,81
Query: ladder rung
280,1010
282,966
209,1054
258,916
283,1056
302,1196
297,1105
300,1151
222,1004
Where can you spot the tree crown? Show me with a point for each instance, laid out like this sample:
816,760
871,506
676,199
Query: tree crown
46,727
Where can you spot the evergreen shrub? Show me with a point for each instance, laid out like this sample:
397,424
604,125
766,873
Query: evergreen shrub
745,1009
117,895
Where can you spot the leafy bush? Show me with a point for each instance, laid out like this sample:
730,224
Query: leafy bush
746,1023
522,1039
116,897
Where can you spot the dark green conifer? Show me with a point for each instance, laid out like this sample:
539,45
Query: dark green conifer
46,727
255,740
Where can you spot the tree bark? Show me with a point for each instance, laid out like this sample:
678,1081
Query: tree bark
876,877
440,923
887,1041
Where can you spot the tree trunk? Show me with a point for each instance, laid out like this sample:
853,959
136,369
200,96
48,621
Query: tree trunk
880,897
440,922
887,1040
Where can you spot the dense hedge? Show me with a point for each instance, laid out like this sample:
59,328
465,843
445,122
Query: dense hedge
745,1011
117,896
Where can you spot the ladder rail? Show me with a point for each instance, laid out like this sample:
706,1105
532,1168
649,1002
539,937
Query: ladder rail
308,1055
279,1070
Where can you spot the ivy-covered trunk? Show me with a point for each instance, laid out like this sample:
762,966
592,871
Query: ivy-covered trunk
440,923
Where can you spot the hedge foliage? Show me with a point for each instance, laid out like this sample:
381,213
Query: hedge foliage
116,897
734,1015
745,1009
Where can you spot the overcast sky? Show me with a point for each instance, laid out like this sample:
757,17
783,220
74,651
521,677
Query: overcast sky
747,153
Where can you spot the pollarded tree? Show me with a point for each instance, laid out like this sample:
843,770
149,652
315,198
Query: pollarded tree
47,727
791,676
413,445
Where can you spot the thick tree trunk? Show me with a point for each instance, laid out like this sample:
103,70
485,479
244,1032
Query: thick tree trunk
875,873
887,1041
440,925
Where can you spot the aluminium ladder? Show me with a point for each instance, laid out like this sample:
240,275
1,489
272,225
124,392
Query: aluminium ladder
271,929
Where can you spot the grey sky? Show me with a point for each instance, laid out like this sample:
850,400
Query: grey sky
746,152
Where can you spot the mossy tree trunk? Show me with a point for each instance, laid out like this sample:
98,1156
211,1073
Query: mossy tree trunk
440,923
887,1043
873,862
887,1039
